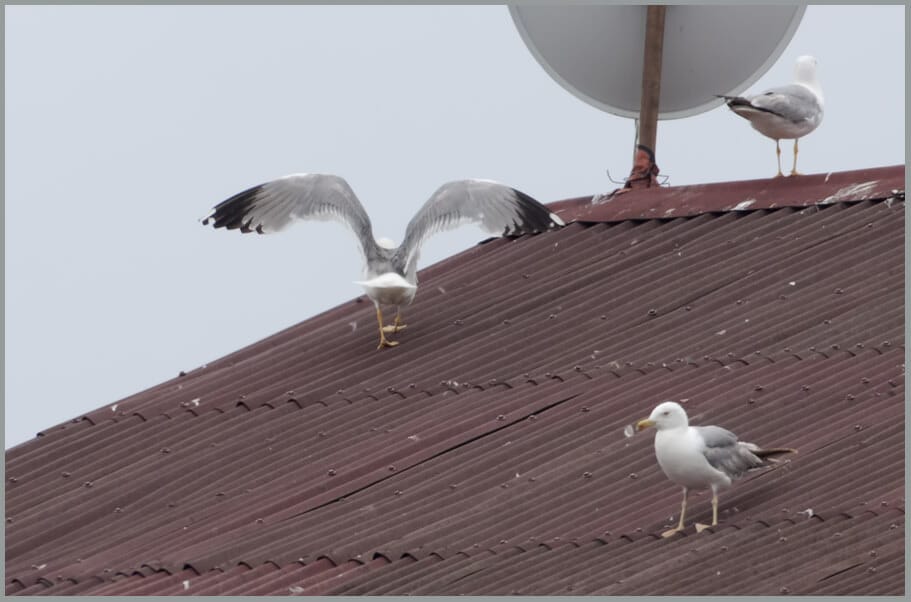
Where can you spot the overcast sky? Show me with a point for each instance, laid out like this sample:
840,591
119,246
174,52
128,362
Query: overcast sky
124,125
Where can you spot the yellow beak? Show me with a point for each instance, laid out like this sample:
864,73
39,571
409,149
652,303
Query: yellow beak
644,424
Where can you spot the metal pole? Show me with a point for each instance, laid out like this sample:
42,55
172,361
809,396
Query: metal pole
651,76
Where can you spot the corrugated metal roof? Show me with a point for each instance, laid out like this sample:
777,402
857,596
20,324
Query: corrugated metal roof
485,453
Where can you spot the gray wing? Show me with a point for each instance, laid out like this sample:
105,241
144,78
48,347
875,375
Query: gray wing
272,206
725,453
792,102
498,209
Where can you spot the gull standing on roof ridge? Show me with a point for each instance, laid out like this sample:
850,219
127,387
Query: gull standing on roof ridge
390,271
786,112
701,457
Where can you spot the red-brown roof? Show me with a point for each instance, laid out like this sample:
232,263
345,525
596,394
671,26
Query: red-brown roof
485,454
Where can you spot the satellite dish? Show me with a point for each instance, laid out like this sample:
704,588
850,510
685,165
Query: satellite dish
596,52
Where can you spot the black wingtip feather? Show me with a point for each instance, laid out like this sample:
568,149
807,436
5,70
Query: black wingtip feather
535,217
231,213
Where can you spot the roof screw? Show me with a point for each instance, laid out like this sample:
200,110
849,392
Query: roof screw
839,291
859,345
827,321
391,468
181,373
501,417
548,375
865,380
688,308
887,343
506,322
577,368
453,486
739,301
340,392
88,484
331,472
873,553
118,509
397,492
533,417
165,450
492,382
587,475
321,434
805,387
758,388
893,526
551,316
220,494
751,400
457,322
291,392
782,297
849,397
411,385
787,350
9,519
784,590
812,347
633,475
390,389
782,539
603,317
884,503
259,521
532,479
872,569
757,352
653,312
585,409
892,382
836,346
504,485
526,276
858,427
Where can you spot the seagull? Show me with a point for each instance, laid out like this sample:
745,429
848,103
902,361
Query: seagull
701,457
789,112
390,271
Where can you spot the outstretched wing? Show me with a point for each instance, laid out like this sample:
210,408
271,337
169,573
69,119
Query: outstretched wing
498,209
272,206
725,453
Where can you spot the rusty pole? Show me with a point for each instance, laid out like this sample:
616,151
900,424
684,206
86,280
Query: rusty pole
651,76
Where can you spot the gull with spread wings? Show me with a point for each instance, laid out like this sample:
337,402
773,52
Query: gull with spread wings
390,272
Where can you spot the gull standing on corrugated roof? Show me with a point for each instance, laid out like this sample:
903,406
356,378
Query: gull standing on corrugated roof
390,272
701,457
789,112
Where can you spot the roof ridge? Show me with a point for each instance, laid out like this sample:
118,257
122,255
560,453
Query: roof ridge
666,202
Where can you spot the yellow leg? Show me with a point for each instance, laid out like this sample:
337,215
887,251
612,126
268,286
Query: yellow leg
397,326
700,527
778,153
679,526
384,342
794,171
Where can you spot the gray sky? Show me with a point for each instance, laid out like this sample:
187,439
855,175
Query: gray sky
124,125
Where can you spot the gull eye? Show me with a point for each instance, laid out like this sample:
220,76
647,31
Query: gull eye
665,413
